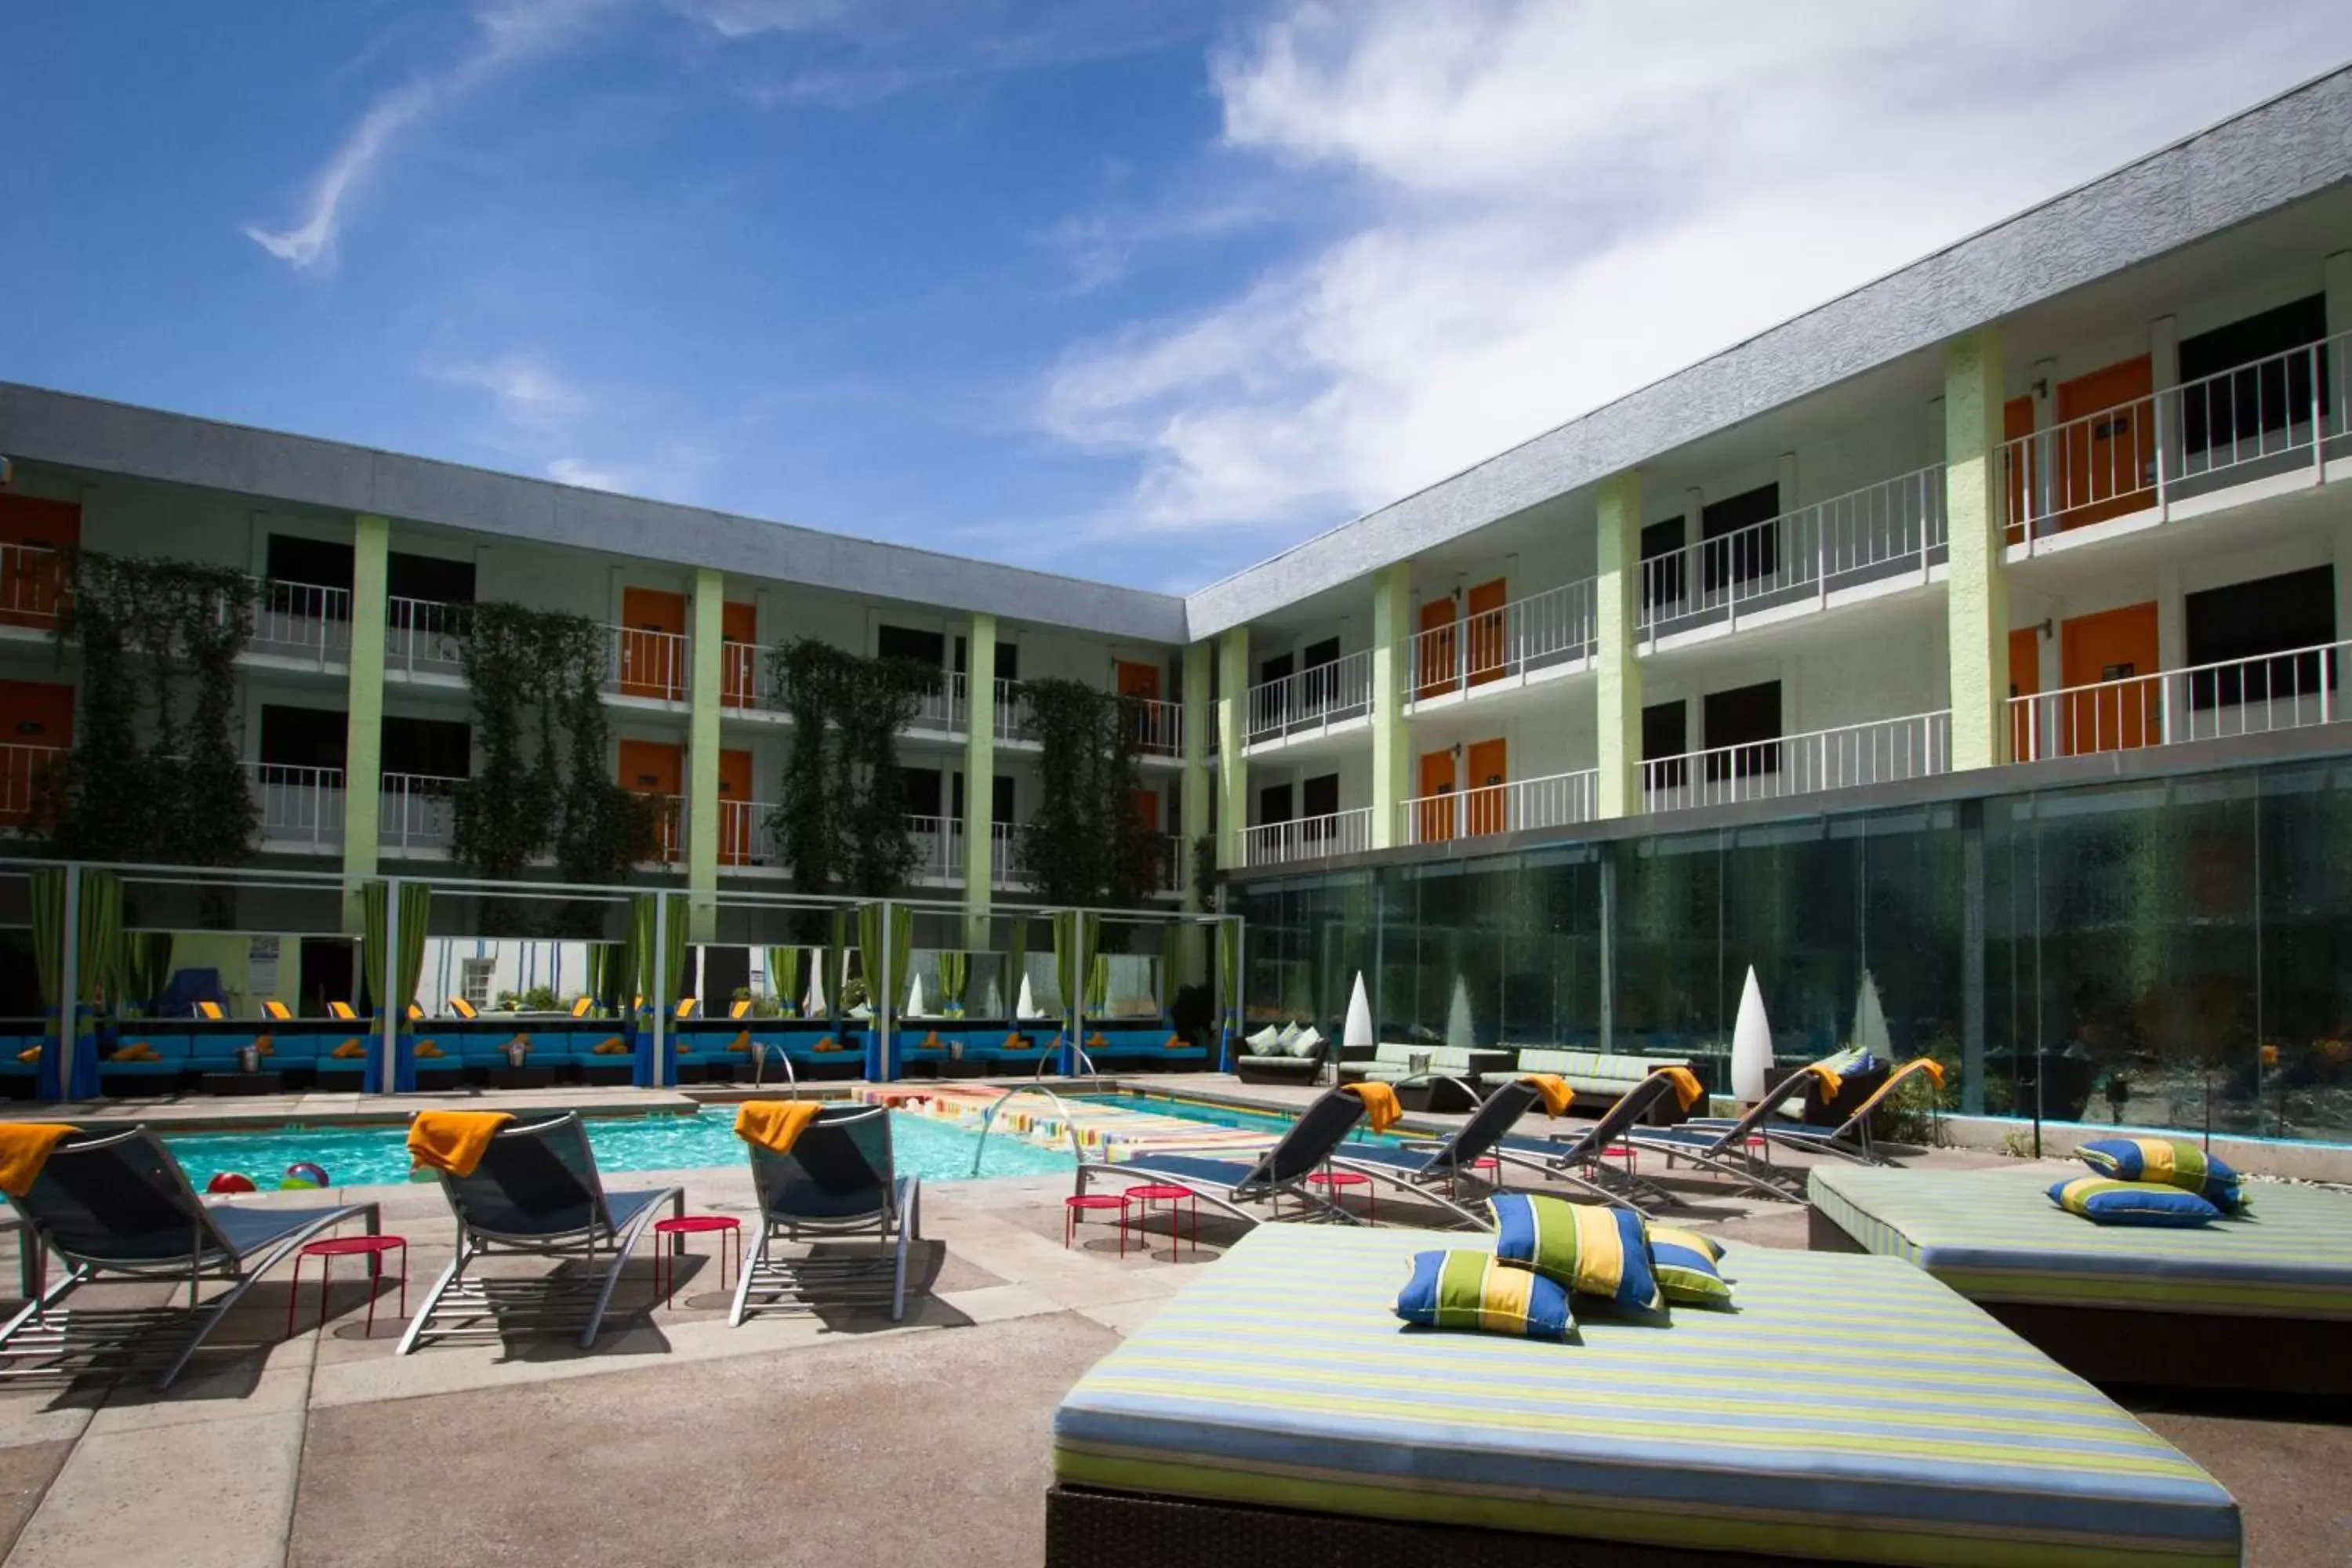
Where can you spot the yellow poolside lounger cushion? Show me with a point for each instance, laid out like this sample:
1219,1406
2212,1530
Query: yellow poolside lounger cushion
463,1009
1474,1290
685,1008
741,1009
580,1005
210,1011
342,1010
272,1007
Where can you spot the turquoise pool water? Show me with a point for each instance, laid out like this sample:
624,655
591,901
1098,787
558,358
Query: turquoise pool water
364,1156
1269,1122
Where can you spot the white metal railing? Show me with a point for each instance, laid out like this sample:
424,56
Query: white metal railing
648,664
417,811
1880,530
21,768
941,706
1159,726
300,620
1013,712
1308,837
669,829
939,848
32,584
1554,626
1174,870
2270,414
743,682
1556,800
1876,752
299,806
1313,700
425,637
745,838
2291,689
1006,868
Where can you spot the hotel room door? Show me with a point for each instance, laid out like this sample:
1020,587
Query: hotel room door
652,644
654,768
2115,646
1488,809
1435,816
736,828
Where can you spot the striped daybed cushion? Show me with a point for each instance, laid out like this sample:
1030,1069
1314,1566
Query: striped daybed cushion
1852,1409
1995,1236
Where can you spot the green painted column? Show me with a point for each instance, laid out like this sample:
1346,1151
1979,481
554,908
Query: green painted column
706,684
1617,598
1192,785
1232,739
1391,740
979,765
364,710
1977,595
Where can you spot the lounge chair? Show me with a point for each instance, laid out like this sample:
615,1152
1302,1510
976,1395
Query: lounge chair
1848,1140
1721,1147
1578,1158
117,1204
839,1181
535,1190
1282,1171
1417,1166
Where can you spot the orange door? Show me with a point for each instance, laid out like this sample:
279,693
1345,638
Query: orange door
738,633
652,644
734,808
2024,680
654,767
1436,808
33,536
1486,634
2106,447
2109,661
1138,680
2016,423
1146,809
1154,729
36,728
1439,664
1489,767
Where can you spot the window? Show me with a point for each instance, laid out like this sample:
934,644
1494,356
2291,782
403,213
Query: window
318,562
429,748
922,787
1663,738
1008,659
475,977
914,646
1662,584
1746,717
303,737
430,578
2246,620
1273,803
1000,798
1320,796
1727,559
2241,409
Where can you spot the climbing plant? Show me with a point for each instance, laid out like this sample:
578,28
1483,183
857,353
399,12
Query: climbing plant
842,824
1085,845
506,810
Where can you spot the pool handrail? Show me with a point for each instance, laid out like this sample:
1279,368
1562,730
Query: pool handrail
988,1121
759,1049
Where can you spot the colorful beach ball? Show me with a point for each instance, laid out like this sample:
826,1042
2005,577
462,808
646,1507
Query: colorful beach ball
231,1182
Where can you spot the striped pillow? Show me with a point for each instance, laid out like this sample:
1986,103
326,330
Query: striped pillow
1472,1290
2105,1201
1590,1248
1685,1262
2169,1161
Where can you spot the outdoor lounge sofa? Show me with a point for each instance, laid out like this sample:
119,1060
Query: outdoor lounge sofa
1445,1081
1599,1077
1277,1412
2262,1304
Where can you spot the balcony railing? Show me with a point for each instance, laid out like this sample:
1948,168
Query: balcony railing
1309,838
32,584
941,708
1876,752
2288,690
2270,415
425,637
743,681
647,664
1558,800
1159,726
939,848
1006,867
300,621
21,768
417,811
299,807
1313,700
745,838
1013,712
1554,626
669,829
1884,530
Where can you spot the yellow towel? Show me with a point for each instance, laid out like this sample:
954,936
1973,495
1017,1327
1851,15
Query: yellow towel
580,1005
265,1045
348,1050
828,1044
613,1047
427,1049
685,1008
209,1011
463,1009
29,1053
741,1009
1557,1096
24,1148
341,1010
1687,1087
1928,1064
1833,1081
773,1124
136,1051
1380,1108
277,1009
454,1141
742,1042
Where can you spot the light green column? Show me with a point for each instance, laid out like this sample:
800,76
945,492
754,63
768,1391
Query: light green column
1391,741
704,686
1977,597
1232,738
1192,785
1617,598
979,766
364,710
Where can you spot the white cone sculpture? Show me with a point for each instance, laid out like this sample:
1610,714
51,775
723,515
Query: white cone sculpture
1458,1032
1026,1007
1359,1028
994,1007
1752,1044
914,1008
813,1004
1870,1022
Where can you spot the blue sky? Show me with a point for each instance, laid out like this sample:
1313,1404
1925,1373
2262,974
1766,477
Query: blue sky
1142,291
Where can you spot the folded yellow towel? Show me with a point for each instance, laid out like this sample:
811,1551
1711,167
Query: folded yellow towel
341,1010
774,1125
24,1148
29,1053
1380,1108
1928,1064
828,1044
742,1042
580,1005
427,1049
614,1046
136,1051
265,1045
454,1141
350,1051
1833,1081
1557,1096
1687,1087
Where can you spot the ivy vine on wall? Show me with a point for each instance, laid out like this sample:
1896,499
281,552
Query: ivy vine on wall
1085,845
842,824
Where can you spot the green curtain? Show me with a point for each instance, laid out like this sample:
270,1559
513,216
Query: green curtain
408,965
869,953
836,963
672,958
1098,986
100,975
49,931
1229,965
902,954
955,971
146,966
1066,962
785,978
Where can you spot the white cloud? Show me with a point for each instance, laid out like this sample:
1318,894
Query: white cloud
1560,202
528,394
511,31
576,472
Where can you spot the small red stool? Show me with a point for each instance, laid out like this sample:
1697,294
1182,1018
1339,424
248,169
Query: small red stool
1076,1203
1338,1182
1626,1152
729,1228
1171,1194
331,1247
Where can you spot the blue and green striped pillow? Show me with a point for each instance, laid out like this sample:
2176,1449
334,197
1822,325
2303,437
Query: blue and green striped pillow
1477,1291
1685,1263
2166,1161
1588,1248
2105,1201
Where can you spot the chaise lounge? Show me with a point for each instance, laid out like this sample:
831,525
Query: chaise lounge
1599,1077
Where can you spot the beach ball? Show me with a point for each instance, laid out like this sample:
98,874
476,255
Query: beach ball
308,1175
231,1182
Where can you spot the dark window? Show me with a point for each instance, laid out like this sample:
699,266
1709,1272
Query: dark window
1664,737
431,748
1747,717
1320,796
1273,803
1320,653
1008,660
1727,559
330,973
1275,669
1318,688
1000,799
303,737
430,578
725,971
318,562
1662,583
2239,409
907,643
2247,620
922,787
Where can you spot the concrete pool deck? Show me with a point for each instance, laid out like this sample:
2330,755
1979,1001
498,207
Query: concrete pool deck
838,1440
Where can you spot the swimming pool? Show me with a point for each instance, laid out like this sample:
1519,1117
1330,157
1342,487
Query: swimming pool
368,1156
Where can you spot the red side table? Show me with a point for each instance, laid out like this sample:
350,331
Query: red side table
1078,1203
666,1235
326,1251
1337,1183
1172,1195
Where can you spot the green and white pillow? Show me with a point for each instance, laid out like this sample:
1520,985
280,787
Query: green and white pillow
1266,1042
1305,1043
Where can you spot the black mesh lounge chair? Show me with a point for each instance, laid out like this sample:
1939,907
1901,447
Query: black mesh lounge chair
1848,1140
1577,1159
1449,1161
118,1204
1282,1171
536,1191
1721,1147
838,1183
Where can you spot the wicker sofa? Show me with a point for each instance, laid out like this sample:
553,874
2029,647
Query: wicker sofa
1600,1079
1449,1075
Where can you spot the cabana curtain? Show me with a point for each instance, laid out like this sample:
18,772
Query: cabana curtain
146,966
785,978
672,958
416,909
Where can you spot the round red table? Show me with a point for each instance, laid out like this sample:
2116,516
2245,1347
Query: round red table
373,1248
1169,1193
1078,1203
1632,1156
1338,1182
665,1232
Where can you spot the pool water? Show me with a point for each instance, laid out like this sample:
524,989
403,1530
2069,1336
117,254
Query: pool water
367,1156
1272,1123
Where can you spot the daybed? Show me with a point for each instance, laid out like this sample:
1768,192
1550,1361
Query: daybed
1425,1087
1600,1078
